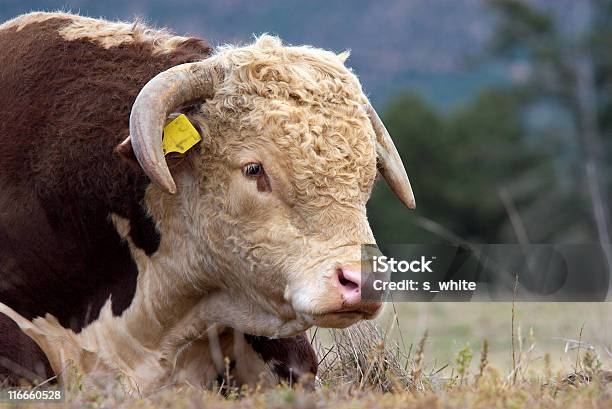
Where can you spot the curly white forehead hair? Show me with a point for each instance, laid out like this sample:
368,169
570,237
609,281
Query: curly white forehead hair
304,99
310,105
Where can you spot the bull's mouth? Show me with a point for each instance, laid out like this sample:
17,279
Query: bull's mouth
344,317
337,319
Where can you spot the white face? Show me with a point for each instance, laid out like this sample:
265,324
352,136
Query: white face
270,212
274,201
285,223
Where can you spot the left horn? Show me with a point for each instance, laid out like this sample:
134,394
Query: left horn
165,92
390,164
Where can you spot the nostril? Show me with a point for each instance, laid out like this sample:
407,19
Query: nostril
346,282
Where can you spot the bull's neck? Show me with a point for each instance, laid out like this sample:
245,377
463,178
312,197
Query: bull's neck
164,293
132,342
163,297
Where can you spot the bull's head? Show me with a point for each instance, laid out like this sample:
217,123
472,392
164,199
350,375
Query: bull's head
271,207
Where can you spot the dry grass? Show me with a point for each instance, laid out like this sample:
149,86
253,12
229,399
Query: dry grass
493,393
366,367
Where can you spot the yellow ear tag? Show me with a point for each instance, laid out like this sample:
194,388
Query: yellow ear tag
179,135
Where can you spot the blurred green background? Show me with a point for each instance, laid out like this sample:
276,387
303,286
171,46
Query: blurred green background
520,160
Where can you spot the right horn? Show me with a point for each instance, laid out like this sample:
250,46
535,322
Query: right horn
390,164
164,93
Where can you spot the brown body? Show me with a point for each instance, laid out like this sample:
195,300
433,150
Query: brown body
65,100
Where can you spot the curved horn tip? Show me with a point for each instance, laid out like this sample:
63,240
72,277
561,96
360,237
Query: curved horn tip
168,186
170,189
391,166
406,197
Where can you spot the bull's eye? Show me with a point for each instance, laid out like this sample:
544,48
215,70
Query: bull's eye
255,171
252,169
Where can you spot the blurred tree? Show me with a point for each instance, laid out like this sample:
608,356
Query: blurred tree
457,164
534,147
569,63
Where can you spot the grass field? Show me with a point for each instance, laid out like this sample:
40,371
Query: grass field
547,328
432,356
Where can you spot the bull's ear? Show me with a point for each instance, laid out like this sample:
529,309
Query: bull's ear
126,152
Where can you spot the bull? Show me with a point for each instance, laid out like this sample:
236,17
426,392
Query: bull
154,265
